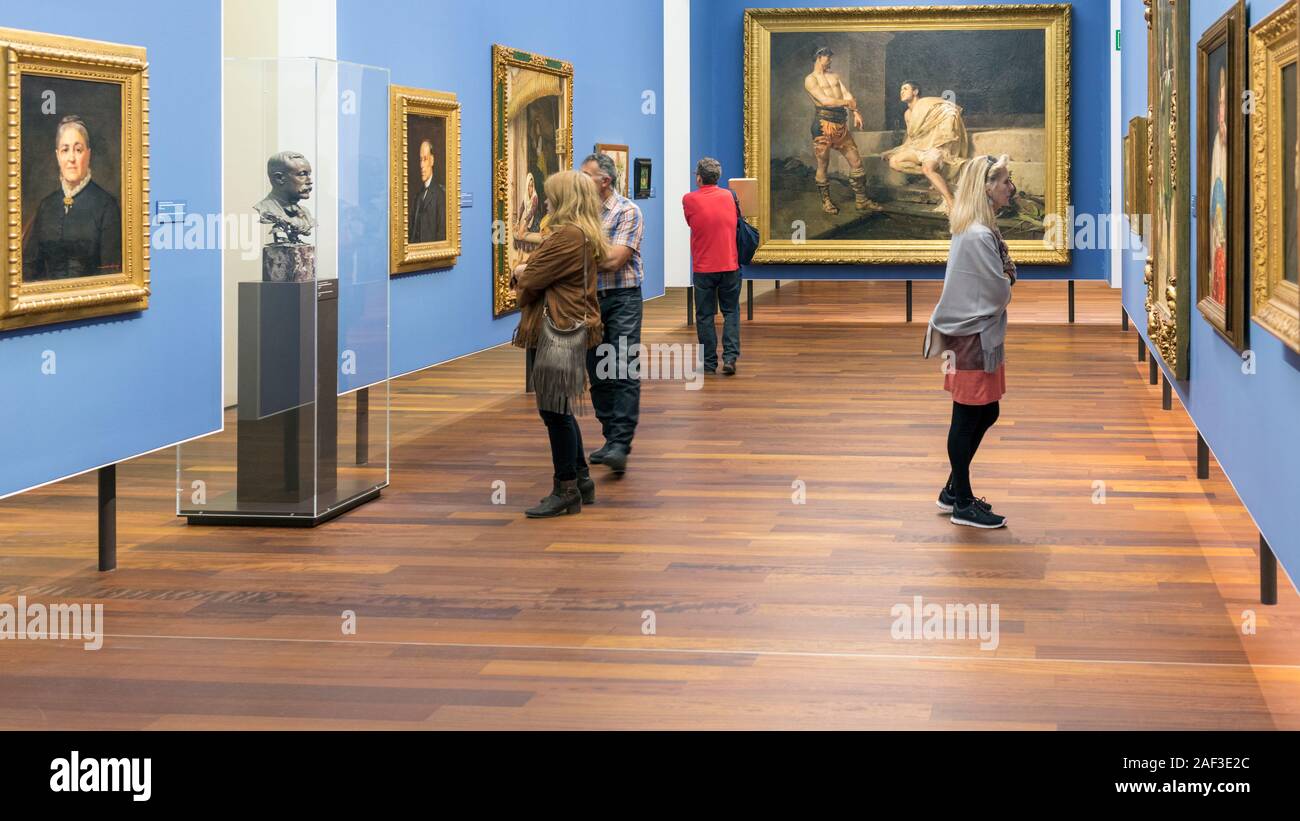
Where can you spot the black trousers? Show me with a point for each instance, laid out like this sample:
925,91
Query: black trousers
617,402
566,444
969,424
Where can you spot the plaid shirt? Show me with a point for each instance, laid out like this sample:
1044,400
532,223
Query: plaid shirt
623,226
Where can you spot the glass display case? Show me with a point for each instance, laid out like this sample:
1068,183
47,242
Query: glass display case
306,304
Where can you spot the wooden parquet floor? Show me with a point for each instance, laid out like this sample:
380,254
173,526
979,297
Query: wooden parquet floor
767,613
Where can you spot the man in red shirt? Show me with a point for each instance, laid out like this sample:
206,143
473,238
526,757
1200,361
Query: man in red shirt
711,212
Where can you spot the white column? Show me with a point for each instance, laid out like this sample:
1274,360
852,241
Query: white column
306,28
677,174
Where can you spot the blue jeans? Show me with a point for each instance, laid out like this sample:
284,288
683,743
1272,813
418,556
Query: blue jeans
617,402
711,292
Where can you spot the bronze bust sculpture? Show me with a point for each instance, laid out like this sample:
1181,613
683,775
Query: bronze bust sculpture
287,258
290,176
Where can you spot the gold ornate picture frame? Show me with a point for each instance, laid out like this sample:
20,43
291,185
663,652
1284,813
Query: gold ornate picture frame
888,186
1221,176
65,86
1275,301
1168,298
532,137
424,217
1137,184
622,158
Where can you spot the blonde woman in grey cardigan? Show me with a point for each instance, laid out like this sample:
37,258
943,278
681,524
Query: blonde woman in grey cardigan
969,328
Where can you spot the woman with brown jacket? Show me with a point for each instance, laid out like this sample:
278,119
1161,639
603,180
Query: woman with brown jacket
558,284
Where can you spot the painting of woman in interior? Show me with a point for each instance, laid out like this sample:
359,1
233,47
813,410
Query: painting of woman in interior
1219,195
532,138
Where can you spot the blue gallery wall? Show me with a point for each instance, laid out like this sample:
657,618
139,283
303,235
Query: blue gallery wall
1249,421
616,47
130,383
717,127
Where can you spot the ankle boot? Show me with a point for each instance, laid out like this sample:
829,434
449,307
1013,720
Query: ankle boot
827,205
858,181
586,486
565,499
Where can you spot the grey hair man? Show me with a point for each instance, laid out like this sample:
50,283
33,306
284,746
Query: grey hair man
712,214
617,402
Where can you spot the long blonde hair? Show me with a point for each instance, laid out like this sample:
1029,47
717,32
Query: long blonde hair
575,201
971,199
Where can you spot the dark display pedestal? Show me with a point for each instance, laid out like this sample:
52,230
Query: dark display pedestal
287,429
288,426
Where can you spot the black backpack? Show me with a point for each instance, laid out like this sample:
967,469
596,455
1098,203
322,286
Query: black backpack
746,236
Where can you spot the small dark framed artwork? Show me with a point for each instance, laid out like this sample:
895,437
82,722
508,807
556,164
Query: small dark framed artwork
641,178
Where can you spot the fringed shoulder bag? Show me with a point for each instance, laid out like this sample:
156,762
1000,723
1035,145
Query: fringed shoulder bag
560,365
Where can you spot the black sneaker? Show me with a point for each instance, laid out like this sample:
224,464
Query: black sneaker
947,500
729,367
977,514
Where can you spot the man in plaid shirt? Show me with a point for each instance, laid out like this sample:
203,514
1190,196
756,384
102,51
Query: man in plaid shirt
617,402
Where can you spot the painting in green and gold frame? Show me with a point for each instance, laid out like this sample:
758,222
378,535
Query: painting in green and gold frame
532,138
1275,288
1168,299
858,121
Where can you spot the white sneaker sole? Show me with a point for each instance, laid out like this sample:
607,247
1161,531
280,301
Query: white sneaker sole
957,521
943,507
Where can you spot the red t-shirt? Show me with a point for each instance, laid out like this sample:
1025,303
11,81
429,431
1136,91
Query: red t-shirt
711,214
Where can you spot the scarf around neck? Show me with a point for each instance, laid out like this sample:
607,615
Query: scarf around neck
976,292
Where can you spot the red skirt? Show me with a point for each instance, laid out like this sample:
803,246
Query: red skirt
965,377
976,387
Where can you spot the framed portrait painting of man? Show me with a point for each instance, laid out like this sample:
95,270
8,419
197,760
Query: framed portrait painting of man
75,132
1221,176
532,138
619,154
859,121
1275,288
1168,298
424,179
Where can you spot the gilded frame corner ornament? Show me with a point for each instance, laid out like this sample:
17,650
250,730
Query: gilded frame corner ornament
760,24
406,256
1169,312
1275,302
503,59
24,304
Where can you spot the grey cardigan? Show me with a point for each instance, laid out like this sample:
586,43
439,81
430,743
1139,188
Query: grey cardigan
976,292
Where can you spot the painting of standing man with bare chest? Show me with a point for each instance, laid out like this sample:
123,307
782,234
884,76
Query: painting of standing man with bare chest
858,121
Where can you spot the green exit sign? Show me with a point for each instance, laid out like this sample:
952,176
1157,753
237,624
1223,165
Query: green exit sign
1117,36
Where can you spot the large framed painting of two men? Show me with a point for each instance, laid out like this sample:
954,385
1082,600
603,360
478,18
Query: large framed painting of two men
859,121
77,166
